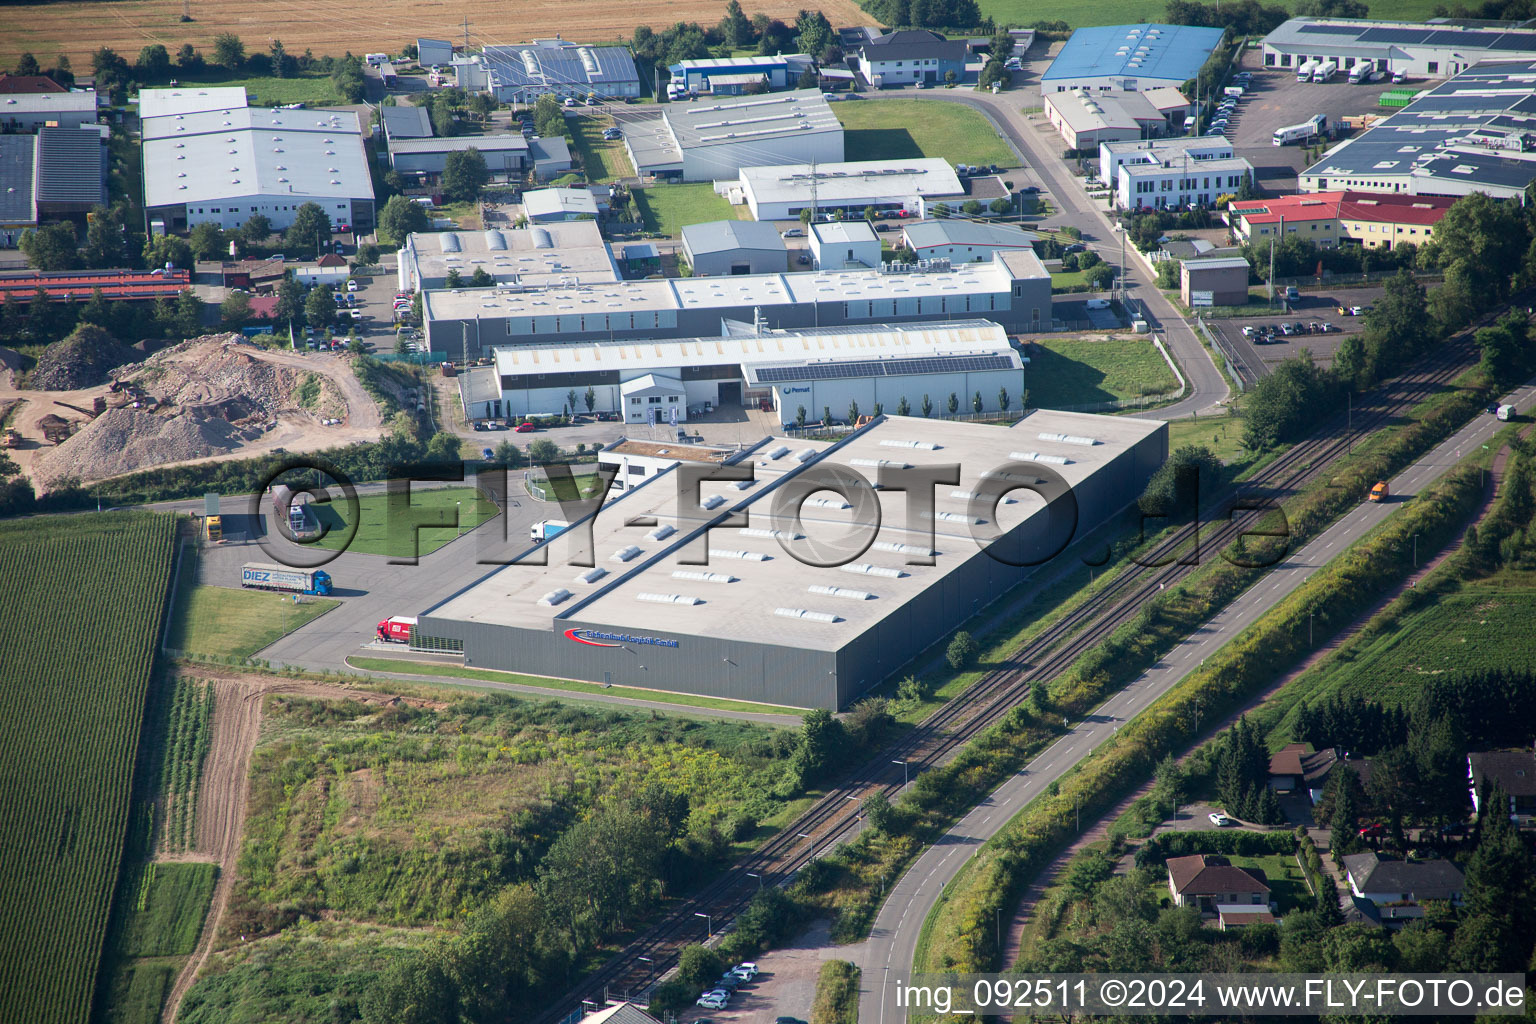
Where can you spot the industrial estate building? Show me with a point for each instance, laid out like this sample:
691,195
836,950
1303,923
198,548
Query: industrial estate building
964,241
1013,289
910,56
732,76
779,191
709,140
29,111
1370,219
650,381
787,610
542,256
523,73
1467,135
1130,58
506,156
1087,119
210,158
1162,179
1188,147
1433,50
844,245
1214,281
726,247
56,174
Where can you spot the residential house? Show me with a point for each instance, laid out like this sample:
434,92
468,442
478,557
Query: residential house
1295,767
1208,882
1396,890
1515,772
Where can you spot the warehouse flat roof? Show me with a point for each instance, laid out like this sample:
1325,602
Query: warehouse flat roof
928,234
559,65
872,341
1098,111
1447,135
16,189
732,292
750,120
484,143
80,102
217,154
753,575
1327,35
542,254
1216,165
851,180
1170,52
667,450
730,235
709,65
406,122
190,100
1179,144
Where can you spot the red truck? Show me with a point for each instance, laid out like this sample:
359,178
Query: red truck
396,629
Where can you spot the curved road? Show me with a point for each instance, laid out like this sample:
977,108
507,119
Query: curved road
1208,387
886,956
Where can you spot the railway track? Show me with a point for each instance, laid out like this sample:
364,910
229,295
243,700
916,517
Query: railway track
939,737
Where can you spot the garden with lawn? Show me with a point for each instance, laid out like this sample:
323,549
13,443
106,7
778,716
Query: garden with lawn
667,209
904,129
373,534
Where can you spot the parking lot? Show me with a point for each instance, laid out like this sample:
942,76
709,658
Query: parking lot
1278,100
1257,357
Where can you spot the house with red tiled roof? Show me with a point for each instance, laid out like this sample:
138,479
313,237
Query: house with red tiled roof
1208,882
11,85
1370,219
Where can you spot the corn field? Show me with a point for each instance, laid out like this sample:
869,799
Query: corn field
186,745
84,597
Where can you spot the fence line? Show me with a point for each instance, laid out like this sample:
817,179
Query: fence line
1226,357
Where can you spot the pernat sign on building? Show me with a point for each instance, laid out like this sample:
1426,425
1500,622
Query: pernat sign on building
1202,298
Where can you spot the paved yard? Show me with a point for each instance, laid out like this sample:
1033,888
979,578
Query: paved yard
785,985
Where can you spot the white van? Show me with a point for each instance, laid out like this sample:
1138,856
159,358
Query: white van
1097,304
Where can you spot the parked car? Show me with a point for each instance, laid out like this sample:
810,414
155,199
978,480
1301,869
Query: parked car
747,968
525,428
803,259
480,425
1033,190
795,233
1375,831
712,1000
607,417
1220,820
570,101
883,227
1285,329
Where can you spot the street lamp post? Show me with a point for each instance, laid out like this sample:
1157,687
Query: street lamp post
650,969
810,839
903,773
754,874
858,812
709,928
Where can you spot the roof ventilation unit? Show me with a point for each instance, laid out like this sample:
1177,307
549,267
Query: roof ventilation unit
625,554
865,569
712,502
879,463
1058,460
1087,442
662,532
827,503
592,575
495,241
756,531
779,452
554,597
450,242
668,599
925,445
805,455
742,485
902,549
852,595
806,613
745,556
702,577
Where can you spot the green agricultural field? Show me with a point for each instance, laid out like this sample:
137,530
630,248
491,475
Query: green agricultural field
667,209
171,901
373,536
1486,625
1069,372
84,600
604,160
217,622
139,992
902,129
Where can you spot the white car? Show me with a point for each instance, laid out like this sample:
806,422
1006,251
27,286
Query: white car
1248,331
1220,820
745,971
715,1000
351,285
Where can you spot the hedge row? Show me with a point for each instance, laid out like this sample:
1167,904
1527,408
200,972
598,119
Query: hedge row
962,932
1233,842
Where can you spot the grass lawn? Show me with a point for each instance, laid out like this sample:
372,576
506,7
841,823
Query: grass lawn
373,531
573,488
1223,436
1079,13
665,209
465,215
902,129
568,685
1287,887
222,623
604,160
175,901
312,88
1068,372
1062,279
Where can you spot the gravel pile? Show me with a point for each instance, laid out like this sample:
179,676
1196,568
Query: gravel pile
82,360
212,370
124,440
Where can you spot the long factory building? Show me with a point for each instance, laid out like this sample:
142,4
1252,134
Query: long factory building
809,609
1013,289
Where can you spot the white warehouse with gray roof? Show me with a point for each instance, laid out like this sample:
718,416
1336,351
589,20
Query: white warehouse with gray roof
780,586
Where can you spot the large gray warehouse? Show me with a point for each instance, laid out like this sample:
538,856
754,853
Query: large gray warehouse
1013,289
817,598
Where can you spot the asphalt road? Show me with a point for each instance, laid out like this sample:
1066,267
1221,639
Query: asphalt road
886,956
1039,151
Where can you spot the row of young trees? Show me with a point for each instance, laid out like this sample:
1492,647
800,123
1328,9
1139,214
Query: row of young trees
904,407
811,33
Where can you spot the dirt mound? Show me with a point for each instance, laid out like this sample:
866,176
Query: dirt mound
82,360
124,440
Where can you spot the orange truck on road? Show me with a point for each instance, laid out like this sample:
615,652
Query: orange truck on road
1380,492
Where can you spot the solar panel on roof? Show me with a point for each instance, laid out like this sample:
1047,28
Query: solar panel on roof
1394,35
883,368
1513,41
1317,30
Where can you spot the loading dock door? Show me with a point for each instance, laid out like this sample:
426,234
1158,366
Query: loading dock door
730,393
